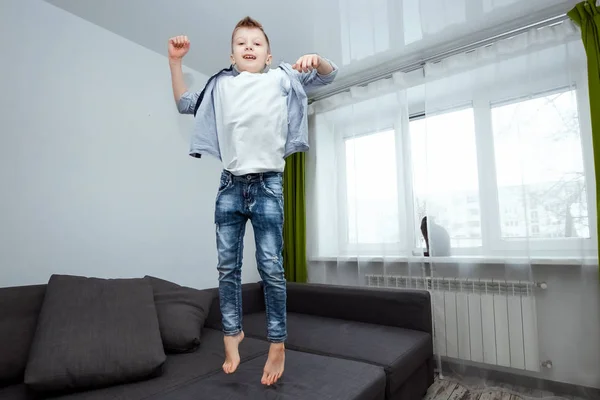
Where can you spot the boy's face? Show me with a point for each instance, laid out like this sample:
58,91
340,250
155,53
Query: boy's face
250,50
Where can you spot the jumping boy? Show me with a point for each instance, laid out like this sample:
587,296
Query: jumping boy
251,118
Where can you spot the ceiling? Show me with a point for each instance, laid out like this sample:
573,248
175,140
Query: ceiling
361,36
208,24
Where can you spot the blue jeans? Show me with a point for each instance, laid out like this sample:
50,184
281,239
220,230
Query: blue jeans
258,198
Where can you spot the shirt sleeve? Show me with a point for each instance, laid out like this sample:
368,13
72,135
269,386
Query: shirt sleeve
313,79
187,102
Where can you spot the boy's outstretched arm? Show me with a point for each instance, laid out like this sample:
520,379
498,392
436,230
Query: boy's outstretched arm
315,70
311,61
178,48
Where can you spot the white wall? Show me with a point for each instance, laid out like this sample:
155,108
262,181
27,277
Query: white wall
95,179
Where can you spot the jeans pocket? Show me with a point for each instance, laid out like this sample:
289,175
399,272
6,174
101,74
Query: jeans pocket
224,183
273,186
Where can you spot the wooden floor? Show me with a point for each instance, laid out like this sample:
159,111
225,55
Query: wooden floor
449,390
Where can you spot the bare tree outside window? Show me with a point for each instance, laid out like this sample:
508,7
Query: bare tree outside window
539,164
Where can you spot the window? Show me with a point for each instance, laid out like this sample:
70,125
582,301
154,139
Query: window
550,177
371,185
445,179
506,178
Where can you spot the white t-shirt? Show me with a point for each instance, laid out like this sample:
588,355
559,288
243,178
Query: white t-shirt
252,121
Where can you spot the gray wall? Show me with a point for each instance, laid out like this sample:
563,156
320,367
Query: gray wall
94,173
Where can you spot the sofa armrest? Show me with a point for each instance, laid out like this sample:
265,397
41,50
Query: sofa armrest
253,301
410,309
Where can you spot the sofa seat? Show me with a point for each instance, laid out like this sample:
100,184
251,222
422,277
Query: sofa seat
399,351
15,392
306,376
198,376
178,370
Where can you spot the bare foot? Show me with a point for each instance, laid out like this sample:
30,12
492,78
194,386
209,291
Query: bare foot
274,366
232,355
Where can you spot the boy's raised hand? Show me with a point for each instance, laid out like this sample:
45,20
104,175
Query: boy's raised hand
178,47
307,63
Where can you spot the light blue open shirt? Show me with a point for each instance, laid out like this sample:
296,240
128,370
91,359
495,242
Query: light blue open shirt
204,136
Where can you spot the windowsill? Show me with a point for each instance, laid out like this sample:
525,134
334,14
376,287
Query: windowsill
548,261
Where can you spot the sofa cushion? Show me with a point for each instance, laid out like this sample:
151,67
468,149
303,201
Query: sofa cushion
179,369
94,332
181,313
18,318
306,376
16,392
399,351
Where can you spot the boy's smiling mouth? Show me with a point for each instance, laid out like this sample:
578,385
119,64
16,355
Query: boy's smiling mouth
249,57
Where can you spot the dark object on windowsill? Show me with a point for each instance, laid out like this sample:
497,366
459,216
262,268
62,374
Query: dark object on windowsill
436,238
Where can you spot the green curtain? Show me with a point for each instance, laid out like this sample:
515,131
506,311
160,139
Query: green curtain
587,16
294,226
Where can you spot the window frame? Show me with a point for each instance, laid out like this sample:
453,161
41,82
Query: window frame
546,246
367,248
482,101
456,106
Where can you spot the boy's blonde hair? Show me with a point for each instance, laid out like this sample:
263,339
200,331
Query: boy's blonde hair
250,23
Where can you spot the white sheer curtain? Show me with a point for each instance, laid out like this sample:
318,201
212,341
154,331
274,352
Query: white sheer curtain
494,148
360,34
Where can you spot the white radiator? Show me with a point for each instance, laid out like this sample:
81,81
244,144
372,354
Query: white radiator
484,321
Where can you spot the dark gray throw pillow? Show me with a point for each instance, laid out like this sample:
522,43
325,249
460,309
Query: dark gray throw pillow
94,333
181,312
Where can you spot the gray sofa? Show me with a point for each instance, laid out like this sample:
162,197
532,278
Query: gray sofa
343,343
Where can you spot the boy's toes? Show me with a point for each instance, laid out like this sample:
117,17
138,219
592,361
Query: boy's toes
275,378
